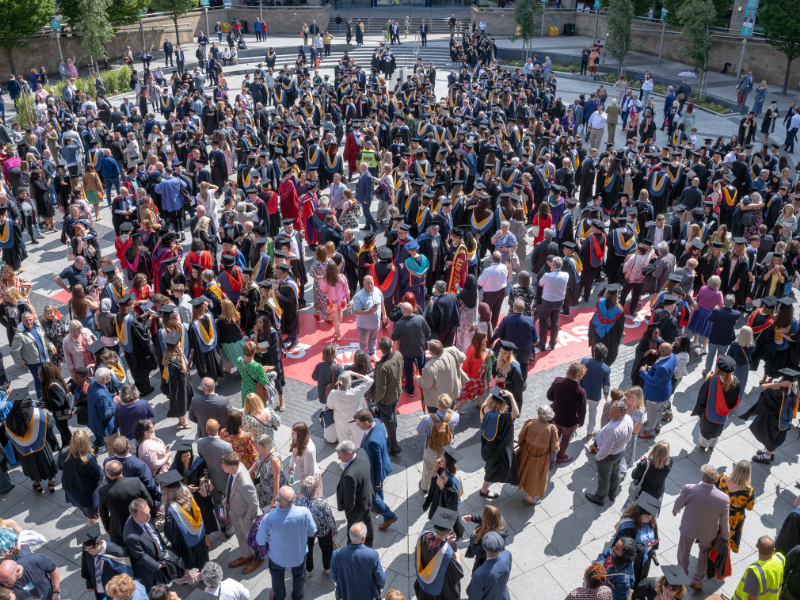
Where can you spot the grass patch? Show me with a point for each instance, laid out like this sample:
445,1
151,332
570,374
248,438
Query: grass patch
558,67
662,89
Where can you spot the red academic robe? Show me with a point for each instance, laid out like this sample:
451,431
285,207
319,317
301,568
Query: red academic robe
290,203
351,151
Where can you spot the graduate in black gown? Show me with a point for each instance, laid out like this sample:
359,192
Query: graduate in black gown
717,398
775,409
249,300
762,322
204,342
172,275
184,526
194,471
789,534
134,339
446,488
11,242
608,323
497,440
435,556
175,381
288,301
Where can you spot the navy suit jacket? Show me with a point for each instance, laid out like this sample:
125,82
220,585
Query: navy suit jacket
364,188
519,329
357,572
490,580
143,552
445,315
723,321
134,467
374,442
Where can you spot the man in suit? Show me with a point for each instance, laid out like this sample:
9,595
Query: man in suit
355,569
211,448
723,330
376,447
364,196
133,467
168,62
657,388
565,176
423,32
706,515
180,60
100,558
657,231
208,405
490,580
241,504
541,251
443,315
143,543
115,498
354,491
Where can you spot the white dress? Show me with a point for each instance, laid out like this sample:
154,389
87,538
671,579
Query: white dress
210,205
306,465
345,404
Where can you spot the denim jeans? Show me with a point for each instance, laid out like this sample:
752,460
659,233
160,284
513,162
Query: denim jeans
34,369
379,505
790,139
713,349
368,340
279,585
408,370
339,29
109,183
5,482
645,96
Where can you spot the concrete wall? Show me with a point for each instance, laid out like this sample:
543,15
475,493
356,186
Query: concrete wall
43,51
761,58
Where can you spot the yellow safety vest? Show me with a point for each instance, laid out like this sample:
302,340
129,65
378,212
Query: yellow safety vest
770,578
368,157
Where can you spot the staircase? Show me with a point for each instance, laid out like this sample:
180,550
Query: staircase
375,19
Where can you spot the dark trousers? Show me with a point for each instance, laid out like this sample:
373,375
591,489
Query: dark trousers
326,545
168,60
358,516
549,313
635,290
584,66
368,218
408,371
176,218
388,416
495,302
424,38
447,337
566,436
181,66
608,476
63,429
587,281
279,585
524,359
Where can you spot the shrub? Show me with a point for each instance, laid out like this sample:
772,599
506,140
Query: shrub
116,81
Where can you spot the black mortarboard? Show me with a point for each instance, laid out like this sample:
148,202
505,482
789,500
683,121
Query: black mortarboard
769,301
444,518
570,245
182,446
648,503
506,345
97,347
680,208
287,221
631,211
170,479
228,260
125,227
18,395
646,241
125,299
199,301
172,338
739,240
285,267
786,300
697,243
404,226
675,277
789,373
729,177
670,299
169,261
89,535
168,309
614,287
674,575
452,453
384,253
726,364
717,244
108,269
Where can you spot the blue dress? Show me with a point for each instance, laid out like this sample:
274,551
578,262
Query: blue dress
758,105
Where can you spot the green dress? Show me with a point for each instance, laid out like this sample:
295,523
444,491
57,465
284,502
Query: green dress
252,374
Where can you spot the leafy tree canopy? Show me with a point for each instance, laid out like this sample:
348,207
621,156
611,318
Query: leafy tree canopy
118,13
21,19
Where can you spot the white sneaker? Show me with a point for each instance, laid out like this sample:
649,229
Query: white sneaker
548,348
536,349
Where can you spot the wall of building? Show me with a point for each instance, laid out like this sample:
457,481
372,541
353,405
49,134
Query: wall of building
762,59
43,51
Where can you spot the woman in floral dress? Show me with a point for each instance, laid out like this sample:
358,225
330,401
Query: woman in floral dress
304,456
475,368
755,208
761,93
269,461
258,419
242,442
468,307
505,243
317,274
523,289
742,497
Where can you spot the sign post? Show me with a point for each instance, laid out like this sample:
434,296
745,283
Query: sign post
55,25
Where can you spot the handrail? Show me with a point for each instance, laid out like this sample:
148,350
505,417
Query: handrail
417,40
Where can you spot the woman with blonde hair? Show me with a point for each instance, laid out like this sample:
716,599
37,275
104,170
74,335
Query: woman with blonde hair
634,398
497,442
741,350
175,382
205,197
304,456
651,472
184,528
133,153
258,419
267,472
76,347
742,497
81,476
334,284
716,399
537,440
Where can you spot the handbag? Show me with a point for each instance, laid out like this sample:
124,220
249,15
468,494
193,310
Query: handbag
326,418
636,487
748,218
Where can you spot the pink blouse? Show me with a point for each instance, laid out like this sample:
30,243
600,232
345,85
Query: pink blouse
154,454
708,298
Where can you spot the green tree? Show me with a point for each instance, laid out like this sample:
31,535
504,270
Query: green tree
19,20
118,13
620,38
697,17
673,7
528,18
94,28
780,23
175,9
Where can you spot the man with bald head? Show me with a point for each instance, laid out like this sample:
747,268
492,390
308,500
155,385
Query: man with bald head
32,576
207,406
116,497
411,333
211,448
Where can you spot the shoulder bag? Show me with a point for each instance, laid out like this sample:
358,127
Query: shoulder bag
636,487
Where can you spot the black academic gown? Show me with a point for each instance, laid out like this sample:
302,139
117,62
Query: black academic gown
178,388
194,557
612,339
208,363
141,360
290,318
789,535
709,429
449,497
248,307
498,452
451,590
766,426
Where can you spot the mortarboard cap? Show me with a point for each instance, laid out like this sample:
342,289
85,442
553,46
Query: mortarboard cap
108,269
739,240
168,309
199,301
182,446
729,177
680,208
125,227
614,287
726,364
287,221
570,245
97,347
125,299
18,395
89,535
170,479
717,244
649,504
404,226
697,243
789,373
285,267
675,575
675,277
506,345
444,518
452,453
384,253
172,338
769,301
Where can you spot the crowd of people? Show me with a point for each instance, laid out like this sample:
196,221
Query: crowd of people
215,223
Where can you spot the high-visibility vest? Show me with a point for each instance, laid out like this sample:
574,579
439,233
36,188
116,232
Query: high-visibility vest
368,157
770,578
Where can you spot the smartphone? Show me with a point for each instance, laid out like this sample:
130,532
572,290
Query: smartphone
656,541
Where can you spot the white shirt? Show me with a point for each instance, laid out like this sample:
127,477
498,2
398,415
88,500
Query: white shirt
647,85
658,236
598,120
230,589
494,278
554,286
795,122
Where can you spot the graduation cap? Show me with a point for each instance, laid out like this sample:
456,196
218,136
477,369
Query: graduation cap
739,240
570,245
726,364
648,503
674,575
125,227
108,269
228,260
172,338
285,267
170,479
19,395
405,226
182,446
729,177
646,241
287,221
631,211
769,301
444,518
169,261
790,373
168,309
280,253
168,237
199,301
786,300
384,253
506,345
89,536
97,347
717,244
670,299
125,299
614,287
451,452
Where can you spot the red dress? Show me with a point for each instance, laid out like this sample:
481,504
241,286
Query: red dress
542,224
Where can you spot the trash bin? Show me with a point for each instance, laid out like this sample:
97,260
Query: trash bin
552,31
244,26
226,27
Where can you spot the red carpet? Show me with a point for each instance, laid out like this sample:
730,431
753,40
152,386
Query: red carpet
572,345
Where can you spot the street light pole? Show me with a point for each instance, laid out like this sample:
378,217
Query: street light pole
596,19
141,29
205,12
741,58
661,47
